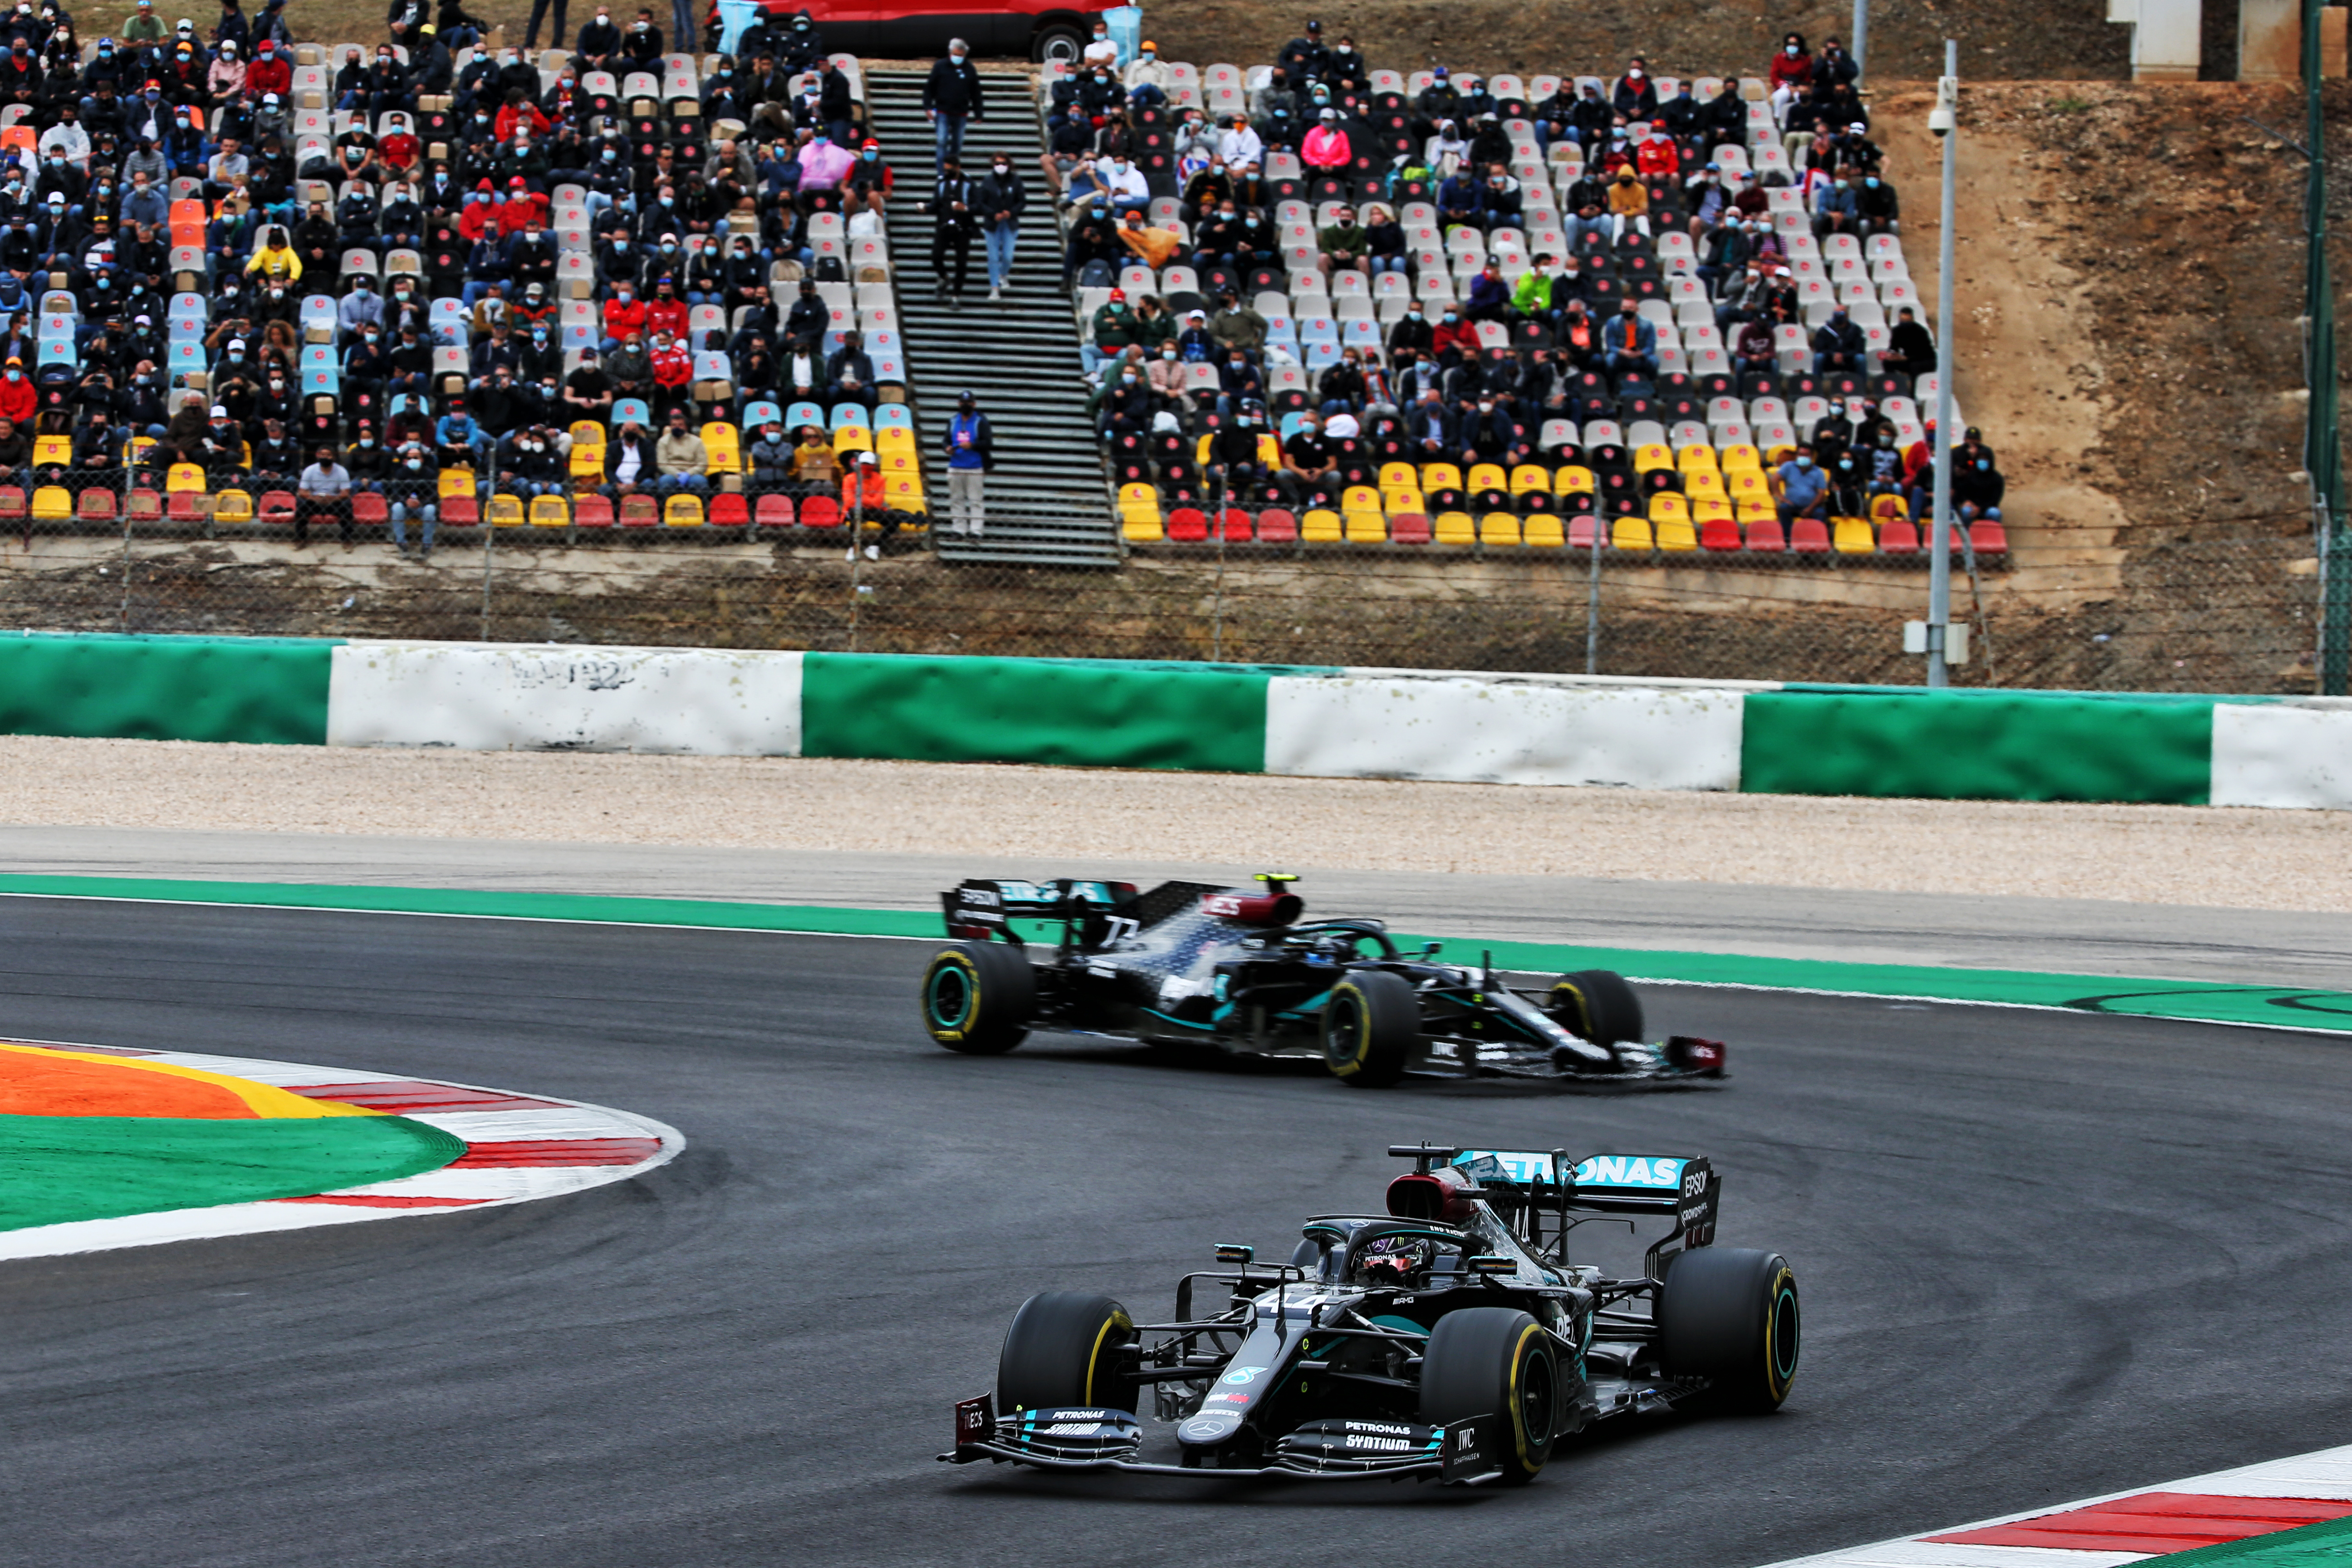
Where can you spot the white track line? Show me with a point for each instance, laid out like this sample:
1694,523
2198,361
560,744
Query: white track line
2325,1474
451,1189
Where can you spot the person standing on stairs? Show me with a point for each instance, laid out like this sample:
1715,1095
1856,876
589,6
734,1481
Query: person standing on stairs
999,198
954,222
971,454
951,96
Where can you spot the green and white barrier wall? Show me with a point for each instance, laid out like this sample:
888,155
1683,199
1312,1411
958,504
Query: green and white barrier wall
1310,721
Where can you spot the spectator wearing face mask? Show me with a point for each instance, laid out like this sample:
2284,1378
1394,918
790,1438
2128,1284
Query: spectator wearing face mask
1629,206
413,489
952,98
1800,488
1000,198
1630,343
1839,345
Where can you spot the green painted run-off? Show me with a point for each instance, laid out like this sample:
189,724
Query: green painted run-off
2328,1545
2279,1006
54,1168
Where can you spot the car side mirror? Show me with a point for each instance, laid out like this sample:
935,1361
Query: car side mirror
1494,1263
1232,1252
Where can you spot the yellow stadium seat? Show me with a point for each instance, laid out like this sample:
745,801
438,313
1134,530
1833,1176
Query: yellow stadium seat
1654,456
229,506
1201,451
1367,527
684,511
587,431
1544,531
1779,455
1486,476
1320,526
1676,533
1138,514
1498,529
1746,485
53,450
723,445
1742,455
587,462
1398,503
504,511
1852,536
52,502
1399,477
1710,508
1439,476
1668,507
1530,479
1757,511
894,439
550,512
457,482
1360,498
1631,534
183,477
1572,480
852,439
1695,459
1702,484
905,492
1269,450
1455,528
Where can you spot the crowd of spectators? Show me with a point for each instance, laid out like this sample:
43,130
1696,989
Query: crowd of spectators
224,252
1291,280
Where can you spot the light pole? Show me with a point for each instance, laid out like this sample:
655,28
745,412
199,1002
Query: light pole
1859,44
1944,120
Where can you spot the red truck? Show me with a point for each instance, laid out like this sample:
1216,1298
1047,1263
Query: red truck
919,29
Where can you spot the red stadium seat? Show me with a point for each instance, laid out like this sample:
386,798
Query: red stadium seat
368,507
773,512
1187,525
820,512
1275,526
1989,538
1897,537
640,511
1765,538
1583,532
1236,524
1721,533
730,511
461,511
274,506
1409,528
592,512
1809,536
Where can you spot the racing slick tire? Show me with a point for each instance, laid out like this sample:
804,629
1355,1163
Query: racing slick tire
977,997
1063,1349
1597,1006
1370,1024
1496,1363
1729,1315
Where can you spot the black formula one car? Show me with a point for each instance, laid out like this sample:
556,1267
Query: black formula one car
1188,962
1449,1337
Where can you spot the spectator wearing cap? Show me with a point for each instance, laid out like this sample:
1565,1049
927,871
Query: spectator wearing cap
1115,329
268,73
971,452
412,489
952,98
1148,76
1490,297
1326,150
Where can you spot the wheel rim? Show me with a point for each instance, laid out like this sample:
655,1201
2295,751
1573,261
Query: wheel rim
1060,47
1347,1047
1784,1334
1536,1402
949,996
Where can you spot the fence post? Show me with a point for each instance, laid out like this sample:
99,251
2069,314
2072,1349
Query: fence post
489,553
1592,606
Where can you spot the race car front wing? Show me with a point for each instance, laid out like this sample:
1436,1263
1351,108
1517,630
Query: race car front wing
1103,1440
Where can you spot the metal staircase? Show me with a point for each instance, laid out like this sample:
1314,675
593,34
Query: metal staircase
1049,498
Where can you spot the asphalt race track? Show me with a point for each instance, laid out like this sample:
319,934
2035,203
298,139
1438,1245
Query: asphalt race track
2042,1256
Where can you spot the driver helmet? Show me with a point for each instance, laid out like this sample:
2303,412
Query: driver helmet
1394,1260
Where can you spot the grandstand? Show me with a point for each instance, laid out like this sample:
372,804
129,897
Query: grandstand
488,284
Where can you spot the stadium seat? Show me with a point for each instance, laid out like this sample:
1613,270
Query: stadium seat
1677,535
1454,529
683,510
1651,459
52,452
1500,529
1365,526
1187,525
1233,524
96,505
185,477
146,506
639,511
729,509
1852,536
592,512
461,510
1574,479
1583,532
549,511
456,481
1439,476
1409,528
1543,532
1530,479
1897,536
1275,525
820,512
504,511
1987,537
233,506
275,506
369,508
52,503
1630,533
1320,526
773,512
1809,536
1718,533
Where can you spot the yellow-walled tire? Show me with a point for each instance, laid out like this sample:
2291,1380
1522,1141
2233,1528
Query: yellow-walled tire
1496,1363
1729,1315
1370,1023
977,997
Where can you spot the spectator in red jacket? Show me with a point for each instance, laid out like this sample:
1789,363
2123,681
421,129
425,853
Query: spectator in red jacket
519,110
481,212
1454,337
673,371
666,312
269,72
18,399
523,207
1793,67
624,315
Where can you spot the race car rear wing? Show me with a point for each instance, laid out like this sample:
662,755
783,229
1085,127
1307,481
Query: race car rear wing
977,909
1682,1187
